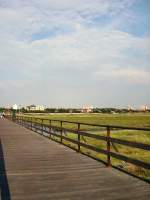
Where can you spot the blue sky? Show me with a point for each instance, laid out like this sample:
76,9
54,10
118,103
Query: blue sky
71,53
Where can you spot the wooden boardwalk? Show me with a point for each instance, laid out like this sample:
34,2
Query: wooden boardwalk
36,168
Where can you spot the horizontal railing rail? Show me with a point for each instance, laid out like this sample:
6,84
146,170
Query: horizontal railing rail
46,126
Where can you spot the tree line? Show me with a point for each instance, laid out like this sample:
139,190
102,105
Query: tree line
74,110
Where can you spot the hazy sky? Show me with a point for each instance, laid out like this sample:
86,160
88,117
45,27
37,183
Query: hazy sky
75,52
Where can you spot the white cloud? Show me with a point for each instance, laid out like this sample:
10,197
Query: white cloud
133,76
22,19
87,48
78,55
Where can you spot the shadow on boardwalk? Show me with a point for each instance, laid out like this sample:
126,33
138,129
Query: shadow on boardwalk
4,187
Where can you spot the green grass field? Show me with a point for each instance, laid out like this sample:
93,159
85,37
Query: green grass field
140,119
134,120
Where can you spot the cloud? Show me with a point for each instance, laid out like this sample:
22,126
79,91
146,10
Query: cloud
32,17
86,49
62,46
133,76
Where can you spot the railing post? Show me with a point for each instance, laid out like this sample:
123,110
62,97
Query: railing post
108,147
61,131
22,121
31,123
34,127
42,127
78,137
25,122
28,125
50,123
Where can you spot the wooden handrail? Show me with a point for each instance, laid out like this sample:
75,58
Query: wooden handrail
57,131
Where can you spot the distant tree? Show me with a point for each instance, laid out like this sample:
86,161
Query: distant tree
50,110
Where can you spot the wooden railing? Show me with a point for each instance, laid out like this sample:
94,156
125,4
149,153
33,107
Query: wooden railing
51,129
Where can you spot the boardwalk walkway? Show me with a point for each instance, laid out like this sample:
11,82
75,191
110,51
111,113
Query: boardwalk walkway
33,167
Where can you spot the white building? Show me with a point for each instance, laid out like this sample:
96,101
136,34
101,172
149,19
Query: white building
144,108
31,107
35,108
41,108
130,108
15,107
87,109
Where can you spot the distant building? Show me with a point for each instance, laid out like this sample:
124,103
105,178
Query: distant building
15,107
143,108
130,108
35,108
41,108
87,109
31,107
